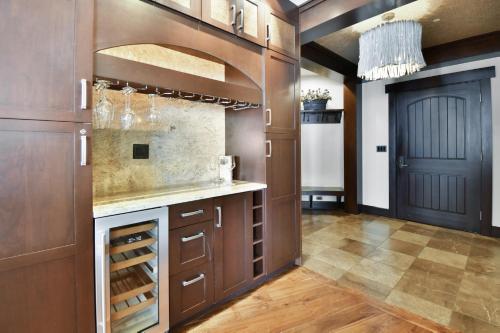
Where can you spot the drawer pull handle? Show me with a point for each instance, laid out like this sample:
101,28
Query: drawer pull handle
191,238
189,214
196,279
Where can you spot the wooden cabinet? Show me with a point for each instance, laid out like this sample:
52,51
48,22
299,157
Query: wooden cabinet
246,18
282,33
48,50
46,265
282,93
232,244
188,7
283,200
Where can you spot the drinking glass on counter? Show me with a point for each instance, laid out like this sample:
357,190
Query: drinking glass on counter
104,110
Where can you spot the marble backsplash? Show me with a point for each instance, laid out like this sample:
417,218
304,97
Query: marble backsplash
182,150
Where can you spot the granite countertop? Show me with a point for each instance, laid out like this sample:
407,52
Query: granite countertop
130,202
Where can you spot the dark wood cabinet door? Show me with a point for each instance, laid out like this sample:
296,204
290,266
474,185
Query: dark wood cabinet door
220,13
283,200
232,243
251,21
189,7
282,33
46,265
47,52
282,94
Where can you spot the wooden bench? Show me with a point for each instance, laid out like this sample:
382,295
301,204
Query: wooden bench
311,191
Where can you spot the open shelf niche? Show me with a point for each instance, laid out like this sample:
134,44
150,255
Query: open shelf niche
258,234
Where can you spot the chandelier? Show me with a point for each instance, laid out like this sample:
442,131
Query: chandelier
391,50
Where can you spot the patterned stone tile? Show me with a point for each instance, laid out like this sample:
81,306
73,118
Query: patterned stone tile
444,257
323,268
378,272
402,247
399,260
469,324
338,258
370,287
411,237
416,229
358,248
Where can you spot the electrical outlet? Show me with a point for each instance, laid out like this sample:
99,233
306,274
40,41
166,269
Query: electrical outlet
140,151
381,149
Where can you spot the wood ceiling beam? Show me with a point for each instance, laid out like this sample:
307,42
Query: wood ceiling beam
319,18
463,48
324,57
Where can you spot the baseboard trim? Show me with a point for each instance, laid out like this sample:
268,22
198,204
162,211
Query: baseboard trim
374,210
495,231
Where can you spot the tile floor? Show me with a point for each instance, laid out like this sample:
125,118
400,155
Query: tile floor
448,276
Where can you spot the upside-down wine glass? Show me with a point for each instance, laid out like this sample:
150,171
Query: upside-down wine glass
128,116
104,110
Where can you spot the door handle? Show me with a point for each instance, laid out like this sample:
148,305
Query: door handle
218,224
270,144
233,10
103,282
242,20
83,147
192,238
402,162
189,214
196,279
83,94
270,117
268,33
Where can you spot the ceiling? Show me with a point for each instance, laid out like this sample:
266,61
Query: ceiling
299,2
442,21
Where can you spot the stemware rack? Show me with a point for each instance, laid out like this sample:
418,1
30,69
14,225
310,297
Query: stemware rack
228,103
258,234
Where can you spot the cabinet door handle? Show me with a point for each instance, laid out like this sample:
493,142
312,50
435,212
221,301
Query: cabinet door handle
219,217
189,214
83,147
268,33
101,258
191,238
242,20
196,279
270,145
233,10
83,100
270,117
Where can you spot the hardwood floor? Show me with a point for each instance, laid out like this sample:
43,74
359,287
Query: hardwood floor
304,301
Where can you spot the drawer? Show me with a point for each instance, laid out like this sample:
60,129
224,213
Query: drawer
190,292
190,246
189,213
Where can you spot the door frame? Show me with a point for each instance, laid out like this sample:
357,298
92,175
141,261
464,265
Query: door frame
483,76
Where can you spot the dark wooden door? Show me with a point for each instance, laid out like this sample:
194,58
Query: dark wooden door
189,7
281,33
282,93
282,226
232,243
46,265
251,23
439,156
220,13
47,51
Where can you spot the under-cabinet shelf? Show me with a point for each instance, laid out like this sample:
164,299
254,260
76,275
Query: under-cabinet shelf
327,116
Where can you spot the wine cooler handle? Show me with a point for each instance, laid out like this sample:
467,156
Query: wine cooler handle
103,281
196,279
83,147
219,217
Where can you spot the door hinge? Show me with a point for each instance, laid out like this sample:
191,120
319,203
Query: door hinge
480,215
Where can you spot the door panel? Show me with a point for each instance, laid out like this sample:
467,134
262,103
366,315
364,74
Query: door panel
41,80
282,93
281,34
46,225
233,244
189,7
439,139
253,24
220,13
283,198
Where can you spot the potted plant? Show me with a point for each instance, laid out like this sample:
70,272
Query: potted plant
315,99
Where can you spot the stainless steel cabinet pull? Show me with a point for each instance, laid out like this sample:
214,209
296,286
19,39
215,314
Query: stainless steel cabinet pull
270,144
83,87
83,147
242,20
233,10
219,216
191,238
268,33
270,117
196,279
102,276
196,212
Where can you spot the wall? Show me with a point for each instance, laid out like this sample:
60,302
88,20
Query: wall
375,132
322,145
182,150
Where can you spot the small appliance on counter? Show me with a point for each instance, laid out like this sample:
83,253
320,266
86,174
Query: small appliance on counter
226,166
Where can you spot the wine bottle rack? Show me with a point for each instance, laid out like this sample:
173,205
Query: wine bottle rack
258,234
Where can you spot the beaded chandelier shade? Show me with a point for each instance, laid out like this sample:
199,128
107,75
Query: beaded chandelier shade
391,50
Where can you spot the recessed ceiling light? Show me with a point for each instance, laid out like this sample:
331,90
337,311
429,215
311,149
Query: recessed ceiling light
388,16
436,20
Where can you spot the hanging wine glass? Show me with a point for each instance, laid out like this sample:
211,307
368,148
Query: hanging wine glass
154,116
104,110
128,116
